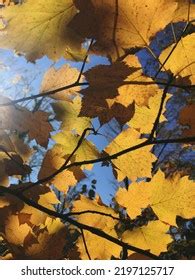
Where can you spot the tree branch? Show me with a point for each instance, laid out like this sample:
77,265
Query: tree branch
96,231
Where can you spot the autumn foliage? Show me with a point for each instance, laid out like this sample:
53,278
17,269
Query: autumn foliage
49,217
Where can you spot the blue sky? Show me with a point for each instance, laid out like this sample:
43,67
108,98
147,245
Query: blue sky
16,73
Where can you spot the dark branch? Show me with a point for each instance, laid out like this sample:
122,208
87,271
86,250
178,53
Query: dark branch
96,231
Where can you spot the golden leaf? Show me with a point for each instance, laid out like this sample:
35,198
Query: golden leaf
167,197
68,142
184,66
144,117
68,114
106,224
152,237
39,28
51,239
58,78
53,161
120,25
135,164
185,11
134,199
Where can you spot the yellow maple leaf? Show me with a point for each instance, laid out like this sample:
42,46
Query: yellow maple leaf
120,25
185,11
14,231
68,142
134,199
135,87
144,117
184,66
53,160
58,78
171,197
152,237
167,197
68,114
106,224
39,28
135,164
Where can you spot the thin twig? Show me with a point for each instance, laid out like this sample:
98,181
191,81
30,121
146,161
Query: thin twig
85,244
96,231
91,212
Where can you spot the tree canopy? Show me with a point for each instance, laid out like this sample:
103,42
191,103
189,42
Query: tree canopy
147,89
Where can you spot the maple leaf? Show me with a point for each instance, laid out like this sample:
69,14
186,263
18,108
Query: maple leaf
186,117
135,164
104,81
134,199
40,194
11,164
135,87
184,66
105,223
113,90
167,197
22,120
58,78
13,236
152,237
48,242
144,117
185,11
68,114
120,25
41,28
53,161
68,142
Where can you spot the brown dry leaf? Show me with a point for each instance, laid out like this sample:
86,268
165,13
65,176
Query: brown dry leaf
104,81
183,67
58,78
113,90
187,117
135,164
105,223
54,159
120,25
22,120
152,237
38,28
